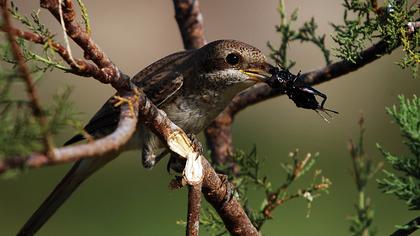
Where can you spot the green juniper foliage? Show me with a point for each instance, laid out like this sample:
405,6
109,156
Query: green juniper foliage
404,180
20,133
306,33
365,22
85,16
361,224
48,59
250,176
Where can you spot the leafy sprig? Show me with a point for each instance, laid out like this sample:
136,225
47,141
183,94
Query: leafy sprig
306,33
250,176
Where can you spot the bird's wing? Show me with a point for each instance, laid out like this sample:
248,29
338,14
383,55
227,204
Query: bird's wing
160,81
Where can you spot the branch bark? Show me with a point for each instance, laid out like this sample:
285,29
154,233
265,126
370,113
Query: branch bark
91,50
217,193
194,206
190,23
78,66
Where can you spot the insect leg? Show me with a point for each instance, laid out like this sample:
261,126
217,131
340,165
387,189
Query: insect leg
323,96
323,117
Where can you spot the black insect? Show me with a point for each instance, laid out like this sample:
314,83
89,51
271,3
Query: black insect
302,95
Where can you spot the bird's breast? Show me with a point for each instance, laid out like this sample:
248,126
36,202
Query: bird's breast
194,112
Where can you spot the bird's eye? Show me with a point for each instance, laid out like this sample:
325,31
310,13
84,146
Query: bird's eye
232,59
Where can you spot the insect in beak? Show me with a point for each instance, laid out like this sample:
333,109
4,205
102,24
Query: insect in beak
302,95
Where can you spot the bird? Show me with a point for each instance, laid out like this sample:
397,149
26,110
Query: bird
192,87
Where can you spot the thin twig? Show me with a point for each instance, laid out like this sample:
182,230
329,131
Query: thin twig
194,206
85,16
37,110
83,39
79,67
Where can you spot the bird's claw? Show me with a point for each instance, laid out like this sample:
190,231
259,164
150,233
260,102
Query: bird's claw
121,100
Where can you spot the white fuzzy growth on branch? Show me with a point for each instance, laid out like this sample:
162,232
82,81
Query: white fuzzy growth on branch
179,143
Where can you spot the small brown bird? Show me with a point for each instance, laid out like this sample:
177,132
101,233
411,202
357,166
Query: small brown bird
192,87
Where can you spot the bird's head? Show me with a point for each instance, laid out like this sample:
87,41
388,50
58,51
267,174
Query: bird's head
232,65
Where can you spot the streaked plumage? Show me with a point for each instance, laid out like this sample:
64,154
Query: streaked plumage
192,87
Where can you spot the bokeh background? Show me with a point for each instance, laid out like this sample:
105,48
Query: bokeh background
125,199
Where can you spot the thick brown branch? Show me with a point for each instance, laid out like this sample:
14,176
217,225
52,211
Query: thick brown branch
190,23
37,111
217,193
219,140
194,205
113,142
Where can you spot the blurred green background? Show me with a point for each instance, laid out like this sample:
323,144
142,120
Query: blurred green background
125,199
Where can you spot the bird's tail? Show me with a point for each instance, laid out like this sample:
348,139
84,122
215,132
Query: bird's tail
80,171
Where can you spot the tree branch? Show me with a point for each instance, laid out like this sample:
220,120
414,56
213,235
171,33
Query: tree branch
83,39
113,142
217,193
79,67
194,205
128,117
412,226
190,23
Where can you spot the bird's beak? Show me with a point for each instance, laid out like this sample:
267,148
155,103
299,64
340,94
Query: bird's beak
259,73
